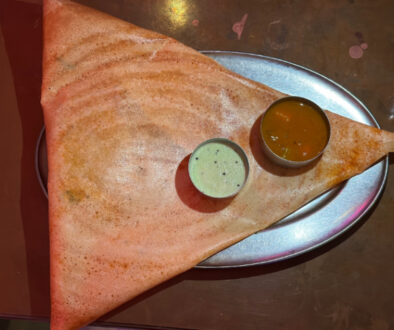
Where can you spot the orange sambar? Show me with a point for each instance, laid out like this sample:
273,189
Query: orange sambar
295,130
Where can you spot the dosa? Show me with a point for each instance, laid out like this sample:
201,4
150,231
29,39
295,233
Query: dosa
124,107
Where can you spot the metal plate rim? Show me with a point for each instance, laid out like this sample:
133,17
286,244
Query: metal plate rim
294,65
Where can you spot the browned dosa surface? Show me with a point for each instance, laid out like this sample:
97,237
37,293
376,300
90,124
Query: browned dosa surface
124,107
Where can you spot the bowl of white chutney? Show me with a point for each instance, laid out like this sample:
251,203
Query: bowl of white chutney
218,168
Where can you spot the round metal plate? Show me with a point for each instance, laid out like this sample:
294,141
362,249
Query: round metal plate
325,217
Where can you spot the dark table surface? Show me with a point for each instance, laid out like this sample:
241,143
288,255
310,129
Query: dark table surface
346,284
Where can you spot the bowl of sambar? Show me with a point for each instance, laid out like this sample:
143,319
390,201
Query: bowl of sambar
294,131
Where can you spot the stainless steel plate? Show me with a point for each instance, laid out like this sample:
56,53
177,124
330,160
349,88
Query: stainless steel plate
324,218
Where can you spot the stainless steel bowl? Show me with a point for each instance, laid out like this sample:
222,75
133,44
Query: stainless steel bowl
280,160
242,160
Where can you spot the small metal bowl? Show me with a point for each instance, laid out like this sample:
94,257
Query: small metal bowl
218,168
280,160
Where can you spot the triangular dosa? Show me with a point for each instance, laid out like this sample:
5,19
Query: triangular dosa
123,108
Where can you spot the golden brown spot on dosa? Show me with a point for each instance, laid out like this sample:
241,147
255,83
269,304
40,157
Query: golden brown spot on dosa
75,195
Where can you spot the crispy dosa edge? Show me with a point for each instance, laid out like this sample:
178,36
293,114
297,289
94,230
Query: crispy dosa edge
59,18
